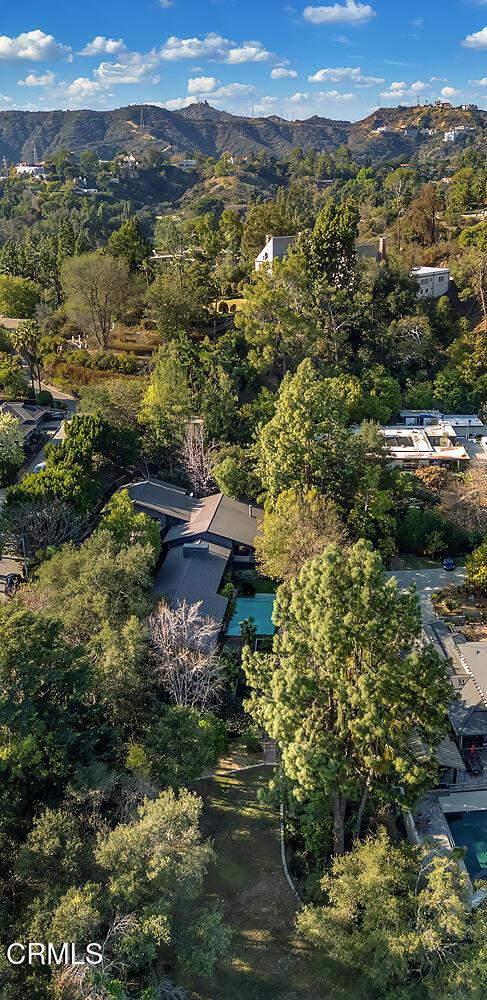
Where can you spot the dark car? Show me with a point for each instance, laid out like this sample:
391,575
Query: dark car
448,563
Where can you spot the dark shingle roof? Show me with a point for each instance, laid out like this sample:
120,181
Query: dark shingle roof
192,576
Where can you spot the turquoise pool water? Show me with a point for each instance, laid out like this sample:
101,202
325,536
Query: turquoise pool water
259,608
469,830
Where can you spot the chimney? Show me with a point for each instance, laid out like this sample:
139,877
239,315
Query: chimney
383,248
250,510
267,238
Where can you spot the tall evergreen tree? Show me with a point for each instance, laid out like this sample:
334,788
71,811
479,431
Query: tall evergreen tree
346,685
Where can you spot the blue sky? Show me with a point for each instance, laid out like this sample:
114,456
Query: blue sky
336,58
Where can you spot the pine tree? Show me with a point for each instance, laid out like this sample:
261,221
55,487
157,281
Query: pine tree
346,685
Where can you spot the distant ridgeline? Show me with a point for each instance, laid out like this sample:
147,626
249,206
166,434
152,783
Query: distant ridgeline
387,133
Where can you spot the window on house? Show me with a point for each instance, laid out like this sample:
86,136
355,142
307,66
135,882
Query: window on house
242,550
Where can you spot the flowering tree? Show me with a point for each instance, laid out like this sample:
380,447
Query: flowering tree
184,643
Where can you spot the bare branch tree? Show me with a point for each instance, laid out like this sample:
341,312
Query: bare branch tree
197,456
30,526
464,499
184,643
81,982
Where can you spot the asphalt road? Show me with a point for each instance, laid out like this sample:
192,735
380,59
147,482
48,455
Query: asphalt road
427,582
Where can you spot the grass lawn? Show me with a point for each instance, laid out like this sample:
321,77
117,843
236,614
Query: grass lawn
266,960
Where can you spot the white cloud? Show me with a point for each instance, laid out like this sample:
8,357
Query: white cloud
450,92
478,40
235,90
400,89
339,73
166,4
417,22
214,46
202,84
321,95
228,92
348,13
37,80
83,88
101,45
133,68
248,52
5,100
177,103
33,45
280,72
265,105
480,83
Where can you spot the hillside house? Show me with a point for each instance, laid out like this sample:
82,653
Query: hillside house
200,539
276,248
433,444
35,170
28,415
433,282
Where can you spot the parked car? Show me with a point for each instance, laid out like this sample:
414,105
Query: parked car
40,466
448,563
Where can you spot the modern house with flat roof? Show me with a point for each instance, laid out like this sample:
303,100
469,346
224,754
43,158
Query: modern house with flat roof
432,281
432,444
276,248
200,538
466,425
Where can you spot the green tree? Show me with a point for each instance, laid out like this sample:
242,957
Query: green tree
264,219
346,684
181,744
98,583
397,916
127,527
470,269
168,401
98,289
18,297
297,528
12,382
25,339
48,724
306,444
219,402
130,243
235,472
176,300
154,868
476,565
331,247
11,447
279,319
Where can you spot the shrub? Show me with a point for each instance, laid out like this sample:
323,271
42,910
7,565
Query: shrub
252,739
45,398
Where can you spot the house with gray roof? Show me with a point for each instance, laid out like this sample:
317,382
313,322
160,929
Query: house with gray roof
200,538
28,415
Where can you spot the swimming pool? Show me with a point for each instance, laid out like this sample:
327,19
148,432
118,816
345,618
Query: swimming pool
259,608
469,830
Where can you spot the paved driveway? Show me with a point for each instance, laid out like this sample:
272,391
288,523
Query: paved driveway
427,581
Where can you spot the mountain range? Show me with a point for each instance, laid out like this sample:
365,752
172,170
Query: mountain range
200,128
